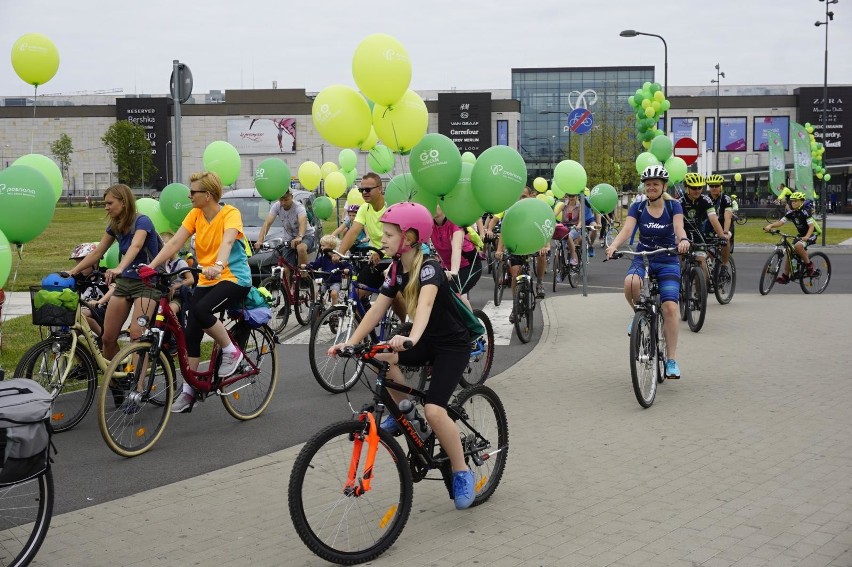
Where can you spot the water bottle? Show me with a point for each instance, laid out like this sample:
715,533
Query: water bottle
413,416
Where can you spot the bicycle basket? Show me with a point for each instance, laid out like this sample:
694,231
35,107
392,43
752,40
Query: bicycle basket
53,308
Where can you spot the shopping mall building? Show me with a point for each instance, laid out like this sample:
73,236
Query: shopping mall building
531,116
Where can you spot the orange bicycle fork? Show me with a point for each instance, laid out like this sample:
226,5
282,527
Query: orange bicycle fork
354,486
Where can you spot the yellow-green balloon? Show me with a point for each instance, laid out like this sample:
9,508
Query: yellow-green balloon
468,157
35,58
347,159
380,159
341,116
151,209
540,184
350,176
310,175
401,125
5,259
222,158
354,197
738,177
47,167
381,68
327,168
335,184
571,177
371,140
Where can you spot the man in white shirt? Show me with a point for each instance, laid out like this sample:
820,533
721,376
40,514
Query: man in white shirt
297,229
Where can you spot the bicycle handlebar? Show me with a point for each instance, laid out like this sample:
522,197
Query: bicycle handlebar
353,256
368,351
648,253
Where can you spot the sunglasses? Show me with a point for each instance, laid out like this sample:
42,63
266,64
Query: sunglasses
194,192
368,189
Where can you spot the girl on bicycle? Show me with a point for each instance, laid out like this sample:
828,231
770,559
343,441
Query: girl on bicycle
138,242
457,254
439,340
225,278
660,226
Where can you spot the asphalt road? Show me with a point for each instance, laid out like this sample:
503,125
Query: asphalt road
87,472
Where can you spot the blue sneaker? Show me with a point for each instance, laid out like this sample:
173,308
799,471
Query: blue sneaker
630,325
390,425
463,492
672,369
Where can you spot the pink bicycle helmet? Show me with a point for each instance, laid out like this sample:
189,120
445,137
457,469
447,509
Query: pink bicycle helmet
407,215
352,208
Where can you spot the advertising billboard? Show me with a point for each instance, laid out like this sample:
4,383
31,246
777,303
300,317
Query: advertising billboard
263,134
765,124
838,139
153,115
465,118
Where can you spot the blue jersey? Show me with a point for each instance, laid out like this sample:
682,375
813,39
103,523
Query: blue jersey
655,232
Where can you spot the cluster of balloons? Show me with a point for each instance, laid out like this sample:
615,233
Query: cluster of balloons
817,151
649,103
660,152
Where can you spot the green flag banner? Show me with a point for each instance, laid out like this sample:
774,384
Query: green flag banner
777,166
802,170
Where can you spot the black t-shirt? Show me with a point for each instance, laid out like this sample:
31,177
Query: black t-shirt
444,329
695,213
800,219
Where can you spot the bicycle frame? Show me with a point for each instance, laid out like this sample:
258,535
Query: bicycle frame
280,272
81,335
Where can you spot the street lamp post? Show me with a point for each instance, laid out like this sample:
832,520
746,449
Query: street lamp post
634,33
829,16
717,137
168,167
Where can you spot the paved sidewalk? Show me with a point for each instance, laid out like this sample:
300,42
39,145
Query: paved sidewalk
746,461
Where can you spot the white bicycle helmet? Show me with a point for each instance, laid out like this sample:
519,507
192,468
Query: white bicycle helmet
654,172
82,250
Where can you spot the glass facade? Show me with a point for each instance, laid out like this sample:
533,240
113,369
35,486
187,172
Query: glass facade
547,95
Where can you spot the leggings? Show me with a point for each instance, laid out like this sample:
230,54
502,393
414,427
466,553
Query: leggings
447,368
469,275
205,302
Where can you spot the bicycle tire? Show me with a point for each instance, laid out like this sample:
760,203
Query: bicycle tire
724,290
662,348
683,300
741,219
28,503
818,283
333,373
610,235
773,215
556,261
483,410
130,431
280,304
334,525
45,362
481,356
499,282
770,271
524,317
574,273
643,364
248,397
305,295
696,309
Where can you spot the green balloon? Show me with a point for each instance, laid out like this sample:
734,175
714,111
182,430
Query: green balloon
676,168
347,159
5,259
271,178
661,147
557,191
436,164
404,188
498,178
151,208
175,203
603,198
380,159
645,159
460,205
223,159
468,157
26,201
350,175
571,177
527,227
323,207
47,167
110,259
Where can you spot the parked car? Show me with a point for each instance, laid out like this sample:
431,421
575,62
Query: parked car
254,210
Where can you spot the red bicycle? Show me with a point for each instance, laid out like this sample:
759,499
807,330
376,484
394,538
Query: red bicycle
135,398
291,289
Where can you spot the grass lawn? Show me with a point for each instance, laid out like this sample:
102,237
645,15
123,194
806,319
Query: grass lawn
752,233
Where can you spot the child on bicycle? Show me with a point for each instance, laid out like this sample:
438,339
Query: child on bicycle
181,289
328,262
440,340
803,220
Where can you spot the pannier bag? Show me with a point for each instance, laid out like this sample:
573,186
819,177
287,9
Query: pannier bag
24,430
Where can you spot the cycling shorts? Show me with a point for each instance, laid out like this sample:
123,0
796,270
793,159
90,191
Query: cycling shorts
666,272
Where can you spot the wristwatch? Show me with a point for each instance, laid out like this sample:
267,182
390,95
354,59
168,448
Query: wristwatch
219,263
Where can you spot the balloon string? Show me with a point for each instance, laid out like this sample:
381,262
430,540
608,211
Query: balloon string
32,130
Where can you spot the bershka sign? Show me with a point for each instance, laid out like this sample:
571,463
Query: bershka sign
465,118
153,115
838,130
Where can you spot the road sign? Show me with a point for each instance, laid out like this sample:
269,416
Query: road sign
580,120
687,150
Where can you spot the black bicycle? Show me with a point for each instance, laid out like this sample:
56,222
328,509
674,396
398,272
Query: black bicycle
723,279
693,289
351,487
815,282
524,301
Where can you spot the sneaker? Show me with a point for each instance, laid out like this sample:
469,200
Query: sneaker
724,273
390,425
512,317
630,326
539,291
230,362
573,262
782,279
183,403
672,369
463,492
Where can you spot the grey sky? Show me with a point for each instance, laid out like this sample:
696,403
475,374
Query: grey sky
106,44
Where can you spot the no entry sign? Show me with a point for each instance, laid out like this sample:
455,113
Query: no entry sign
687,150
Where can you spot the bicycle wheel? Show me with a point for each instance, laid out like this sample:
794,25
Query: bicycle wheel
822,274
499,281
481,419
305,295
610,235
773,215
247,398
574,272
696,299
523,311
556,263
131,416
489,256
741,219
662,349
726,284
481,354
45,362
683,298
25,512
330,519
280,304
643,360
333,373
770,271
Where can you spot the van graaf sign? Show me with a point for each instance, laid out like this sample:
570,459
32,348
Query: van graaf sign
153,115
465,118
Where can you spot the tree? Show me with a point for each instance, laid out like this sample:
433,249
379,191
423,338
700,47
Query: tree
131,152
62,150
